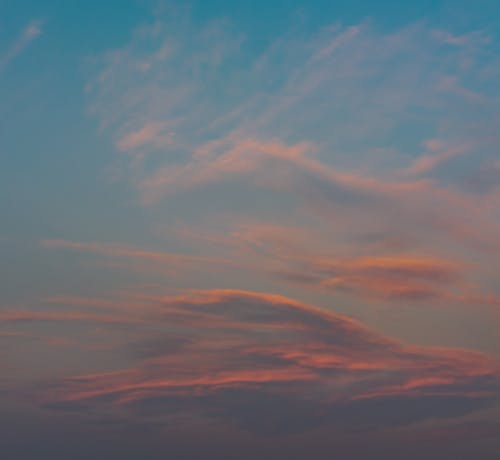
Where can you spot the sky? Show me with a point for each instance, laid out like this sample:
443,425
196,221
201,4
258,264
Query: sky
249,229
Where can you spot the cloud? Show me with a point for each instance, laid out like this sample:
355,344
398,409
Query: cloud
119,440
471,39
243,158
158,134
294,91
274,365
170,261
391,278
332,121
306,257
31,32
283,253
7,317
440,154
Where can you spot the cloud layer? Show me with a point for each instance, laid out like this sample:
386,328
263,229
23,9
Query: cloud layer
380,146
272,365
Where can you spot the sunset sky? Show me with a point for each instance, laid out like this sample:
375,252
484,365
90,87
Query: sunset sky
247,229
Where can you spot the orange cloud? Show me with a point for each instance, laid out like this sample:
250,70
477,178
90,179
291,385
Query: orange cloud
224,160
279,167
305,257
242,345
390,277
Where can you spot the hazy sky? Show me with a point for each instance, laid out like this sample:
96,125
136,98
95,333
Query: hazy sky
249,229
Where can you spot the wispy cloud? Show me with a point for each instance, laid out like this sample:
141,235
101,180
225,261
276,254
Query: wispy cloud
392,278
47,317
350,122
31,32
380,267
158,134
439,153
288,79
476,38
169,261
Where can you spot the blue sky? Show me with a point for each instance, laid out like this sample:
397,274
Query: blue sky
248,218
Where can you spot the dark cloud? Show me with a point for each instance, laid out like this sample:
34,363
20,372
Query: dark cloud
273,366
32,436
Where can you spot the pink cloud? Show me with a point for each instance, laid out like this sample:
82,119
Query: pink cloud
173,261
157,134
244,343
32,31
441,153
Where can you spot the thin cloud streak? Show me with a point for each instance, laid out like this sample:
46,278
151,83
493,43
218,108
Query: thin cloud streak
172,261
30,33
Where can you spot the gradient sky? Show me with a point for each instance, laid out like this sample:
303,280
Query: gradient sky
249,229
